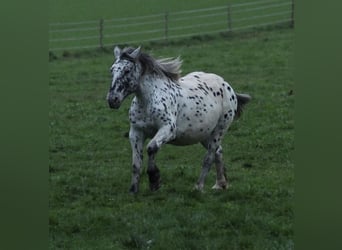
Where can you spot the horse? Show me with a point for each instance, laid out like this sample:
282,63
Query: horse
167,108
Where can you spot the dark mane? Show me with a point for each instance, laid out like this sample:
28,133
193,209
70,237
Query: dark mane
168,67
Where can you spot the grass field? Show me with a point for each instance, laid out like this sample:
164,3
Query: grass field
90,161
85,10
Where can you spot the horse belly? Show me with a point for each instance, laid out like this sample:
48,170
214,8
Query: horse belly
189,138
192,128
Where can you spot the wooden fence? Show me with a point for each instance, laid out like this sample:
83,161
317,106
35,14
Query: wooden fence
170,25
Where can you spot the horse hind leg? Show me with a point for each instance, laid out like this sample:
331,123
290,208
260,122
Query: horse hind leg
211,157
221,179
207,162
213,145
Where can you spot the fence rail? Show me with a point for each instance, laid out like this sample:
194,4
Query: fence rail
169,25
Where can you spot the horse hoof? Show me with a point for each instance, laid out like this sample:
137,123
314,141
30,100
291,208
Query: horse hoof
154,179
155,186
198,188
220,186
133,189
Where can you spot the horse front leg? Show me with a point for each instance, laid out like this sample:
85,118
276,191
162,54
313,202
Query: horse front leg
164,135
153,172
137,139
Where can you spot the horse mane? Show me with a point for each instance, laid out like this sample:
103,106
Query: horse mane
169,67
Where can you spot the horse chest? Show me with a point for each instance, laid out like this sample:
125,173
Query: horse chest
149,118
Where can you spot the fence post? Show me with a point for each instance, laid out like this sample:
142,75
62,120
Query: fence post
292,14
101,33
229,19
166,26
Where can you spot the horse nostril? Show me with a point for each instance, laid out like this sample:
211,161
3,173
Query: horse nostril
114,102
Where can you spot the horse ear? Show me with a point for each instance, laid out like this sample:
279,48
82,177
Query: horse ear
135,53
117,52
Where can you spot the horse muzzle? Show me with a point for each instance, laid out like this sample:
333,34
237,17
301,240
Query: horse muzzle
114,102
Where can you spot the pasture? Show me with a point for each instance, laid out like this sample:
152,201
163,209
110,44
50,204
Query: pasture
78,11
90,156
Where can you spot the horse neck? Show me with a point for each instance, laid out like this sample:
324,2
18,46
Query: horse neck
149,86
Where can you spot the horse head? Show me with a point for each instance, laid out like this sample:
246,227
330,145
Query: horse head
126,72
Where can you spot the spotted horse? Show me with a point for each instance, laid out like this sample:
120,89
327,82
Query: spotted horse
196,108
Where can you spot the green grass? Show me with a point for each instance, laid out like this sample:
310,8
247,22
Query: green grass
85,10
90,157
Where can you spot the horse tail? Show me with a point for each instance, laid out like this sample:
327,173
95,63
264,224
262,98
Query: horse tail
242,100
